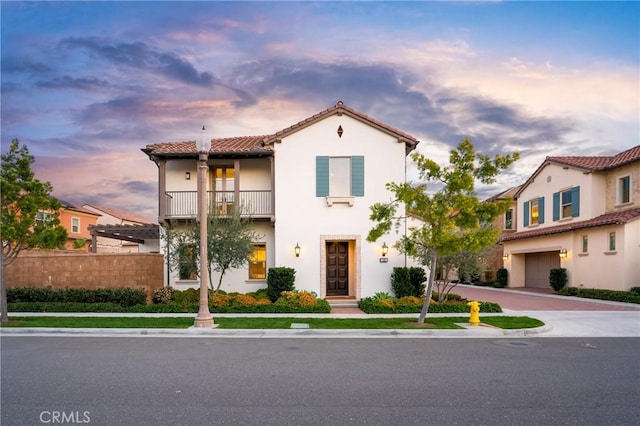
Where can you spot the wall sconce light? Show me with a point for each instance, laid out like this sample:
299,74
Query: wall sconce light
563,253
187,175
505,257
297,250
385,249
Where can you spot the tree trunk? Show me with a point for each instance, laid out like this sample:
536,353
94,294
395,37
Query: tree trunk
432,275
4,318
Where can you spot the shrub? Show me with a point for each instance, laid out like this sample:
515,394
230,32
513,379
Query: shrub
558,278
594,293
502,278
220,300
120,296
244,300
413,304
278,280
635,290
162,296
408,281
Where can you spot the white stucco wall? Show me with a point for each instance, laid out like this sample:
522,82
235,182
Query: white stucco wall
307,220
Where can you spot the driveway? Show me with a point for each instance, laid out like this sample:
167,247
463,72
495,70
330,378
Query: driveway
538,300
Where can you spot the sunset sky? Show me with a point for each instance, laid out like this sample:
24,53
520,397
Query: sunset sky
86,85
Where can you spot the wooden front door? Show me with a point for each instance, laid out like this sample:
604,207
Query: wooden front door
338,268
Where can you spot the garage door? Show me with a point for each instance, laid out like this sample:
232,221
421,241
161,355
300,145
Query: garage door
537,267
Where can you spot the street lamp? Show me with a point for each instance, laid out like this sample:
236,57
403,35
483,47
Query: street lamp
204,318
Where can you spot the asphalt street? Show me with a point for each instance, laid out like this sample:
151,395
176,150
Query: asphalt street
280,381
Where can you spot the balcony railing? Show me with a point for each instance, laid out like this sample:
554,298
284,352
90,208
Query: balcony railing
184,204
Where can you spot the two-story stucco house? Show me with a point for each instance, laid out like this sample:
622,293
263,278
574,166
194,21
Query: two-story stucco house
582,214
109,218
308,189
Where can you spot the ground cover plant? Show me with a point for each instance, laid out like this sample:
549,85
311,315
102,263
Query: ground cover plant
266,323
383,303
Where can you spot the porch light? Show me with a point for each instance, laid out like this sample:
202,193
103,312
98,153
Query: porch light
505,257
563,253
385,249
204,317
297,250
187,175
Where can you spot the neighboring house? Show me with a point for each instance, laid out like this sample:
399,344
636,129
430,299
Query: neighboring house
76,220
493,256
582,214
112,218
308,189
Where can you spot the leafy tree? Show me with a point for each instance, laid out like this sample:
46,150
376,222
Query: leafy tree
229,240
24,199
464,263
452,218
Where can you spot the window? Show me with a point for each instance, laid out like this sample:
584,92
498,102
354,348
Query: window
612,241
258,262
585,243
43,218
533,212
624,190
508,219
340,176
75,225
566,203
187,257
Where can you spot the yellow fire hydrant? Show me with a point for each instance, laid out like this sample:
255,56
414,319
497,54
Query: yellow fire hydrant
474,317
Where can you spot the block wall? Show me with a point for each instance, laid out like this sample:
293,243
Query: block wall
87,270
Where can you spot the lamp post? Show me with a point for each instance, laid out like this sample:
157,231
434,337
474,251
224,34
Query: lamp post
204,318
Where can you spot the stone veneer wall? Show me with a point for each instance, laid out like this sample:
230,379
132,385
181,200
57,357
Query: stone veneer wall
87,270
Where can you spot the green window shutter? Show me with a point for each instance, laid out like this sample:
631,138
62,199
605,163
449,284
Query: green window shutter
541,210
322,176
525,213
575,201
556,206
357,176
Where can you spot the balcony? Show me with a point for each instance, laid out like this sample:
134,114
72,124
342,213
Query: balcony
184,204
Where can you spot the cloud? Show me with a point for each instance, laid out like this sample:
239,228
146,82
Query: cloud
69,82
141,56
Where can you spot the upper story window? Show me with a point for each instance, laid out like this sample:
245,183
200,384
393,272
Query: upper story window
258,262
340,176
75,225
533,212
43,218
566,203
508,219
624,190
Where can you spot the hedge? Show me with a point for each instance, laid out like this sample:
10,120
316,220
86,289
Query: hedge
594,293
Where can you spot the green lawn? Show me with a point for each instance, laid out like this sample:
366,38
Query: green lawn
504,322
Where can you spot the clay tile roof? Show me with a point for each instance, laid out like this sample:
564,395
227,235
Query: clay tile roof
614,218
219,145
599,162
68,206
122,214
588,164
260,144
